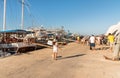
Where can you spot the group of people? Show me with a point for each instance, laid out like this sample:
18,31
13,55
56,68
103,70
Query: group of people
92,41
112,41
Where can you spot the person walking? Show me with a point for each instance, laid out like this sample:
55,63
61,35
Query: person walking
78,39
92,42
116,49
111,41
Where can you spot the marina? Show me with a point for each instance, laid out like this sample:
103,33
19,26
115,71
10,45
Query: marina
59,39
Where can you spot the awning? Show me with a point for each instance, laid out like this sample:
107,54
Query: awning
16,31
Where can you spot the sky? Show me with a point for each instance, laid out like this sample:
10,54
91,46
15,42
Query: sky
77,16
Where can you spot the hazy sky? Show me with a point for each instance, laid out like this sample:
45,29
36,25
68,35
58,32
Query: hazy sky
80,16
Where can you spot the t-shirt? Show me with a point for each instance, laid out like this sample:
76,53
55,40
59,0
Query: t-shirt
92,39
111,38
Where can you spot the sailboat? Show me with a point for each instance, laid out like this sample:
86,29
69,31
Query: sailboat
11,42
4,16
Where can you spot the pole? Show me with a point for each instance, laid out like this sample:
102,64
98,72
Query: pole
22,16
4,16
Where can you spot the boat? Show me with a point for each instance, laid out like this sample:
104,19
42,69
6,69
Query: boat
15,40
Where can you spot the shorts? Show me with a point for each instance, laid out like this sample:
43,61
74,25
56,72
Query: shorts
92,44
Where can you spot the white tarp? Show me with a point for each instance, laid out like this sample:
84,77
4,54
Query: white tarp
113,28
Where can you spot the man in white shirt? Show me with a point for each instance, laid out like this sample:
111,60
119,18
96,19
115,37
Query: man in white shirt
92,42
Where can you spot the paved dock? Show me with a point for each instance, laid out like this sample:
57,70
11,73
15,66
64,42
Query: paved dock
75,61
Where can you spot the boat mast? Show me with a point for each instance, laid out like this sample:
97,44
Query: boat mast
22,16
4,16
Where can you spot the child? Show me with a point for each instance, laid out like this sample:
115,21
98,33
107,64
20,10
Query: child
55,50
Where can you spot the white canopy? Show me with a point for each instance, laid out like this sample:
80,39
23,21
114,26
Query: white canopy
113,29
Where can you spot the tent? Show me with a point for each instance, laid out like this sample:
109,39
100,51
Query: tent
114,29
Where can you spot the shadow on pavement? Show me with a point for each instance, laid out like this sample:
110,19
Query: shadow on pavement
102,48
73,56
